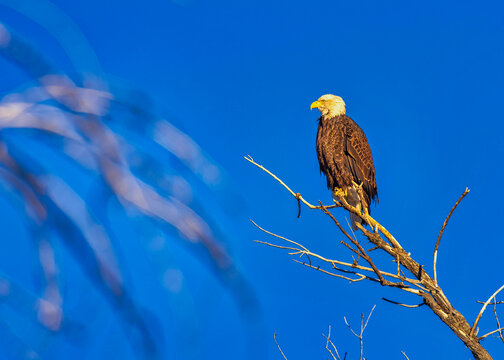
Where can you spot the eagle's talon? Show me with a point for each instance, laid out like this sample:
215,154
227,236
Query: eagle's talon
359,186
338,192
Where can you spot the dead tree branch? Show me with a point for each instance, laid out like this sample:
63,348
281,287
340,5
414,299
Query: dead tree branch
363,326
483,308
278,346
418,281
329,342
401,304
498,322
330,347
442,230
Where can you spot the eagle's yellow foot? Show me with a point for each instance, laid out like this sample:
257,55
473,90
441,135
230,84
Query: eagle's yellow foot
357,185
338,192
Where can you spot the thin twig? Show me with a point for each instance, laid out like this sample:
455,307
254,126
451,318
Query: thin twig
304,251
278,346
483,310
363,253
497,320
296,195
398,266
499,328
442,230
406,356
329,341
362,328
278,236
350,227
401,304
493,303
361,276
490,333
296,250
324,209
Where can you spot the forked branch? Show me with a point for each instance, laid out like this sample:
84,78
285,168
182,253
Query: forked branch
417,282
363,326
483,308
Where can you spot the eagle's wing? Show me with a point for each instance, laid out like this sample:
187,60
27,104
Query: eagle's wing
360,160
330,153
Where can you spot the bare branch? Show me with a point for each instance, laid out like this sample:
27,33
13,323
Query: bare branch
296,195
492,332
350,227
347,324
362,328
304,251
406,356
398,303
361,250
483,310
428,289
329,341
324,209
342,203
278,346
369,316
361,276
442,230
499,328
278,236
279,247
497,320
493,303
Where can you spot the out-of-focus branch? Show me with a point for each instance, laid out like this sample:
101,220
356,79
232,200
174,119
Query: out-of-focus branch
79,119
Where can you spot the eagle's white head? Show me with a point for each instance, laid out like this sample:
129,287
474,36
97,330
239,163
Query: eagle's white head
329,106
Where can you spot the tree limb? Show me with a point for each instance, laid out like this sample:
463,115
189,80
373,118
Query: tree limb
425,286
442,230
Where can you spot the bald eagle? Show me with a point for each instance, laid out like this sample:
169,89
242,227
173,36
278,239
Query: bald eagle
344,155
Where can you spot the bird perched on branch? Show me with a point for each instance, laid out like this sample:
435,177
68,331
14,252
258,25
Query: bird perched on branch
344,156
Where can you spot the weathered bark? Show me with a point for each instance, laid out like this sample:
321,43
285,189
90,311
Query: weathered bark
435,299
424,286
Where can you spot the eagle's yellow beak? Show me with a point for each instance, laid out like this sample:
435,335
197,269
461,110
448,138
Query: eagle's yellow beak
315,105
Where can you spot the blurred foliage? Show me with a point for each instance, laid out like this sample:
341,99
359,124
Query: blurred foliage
141,163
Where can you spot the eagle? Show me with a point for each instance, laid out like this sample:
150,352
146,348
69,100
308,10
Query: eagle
344,155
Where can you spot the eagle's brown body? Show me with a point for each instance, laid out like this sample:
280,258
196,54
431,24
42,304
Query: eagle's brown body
345,157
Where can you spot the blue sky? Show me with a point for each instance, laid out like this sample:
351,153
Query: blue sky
423,80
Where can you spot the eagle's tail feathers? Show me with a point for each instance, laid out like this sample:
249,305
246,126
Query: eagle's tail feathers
353,199
354,219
